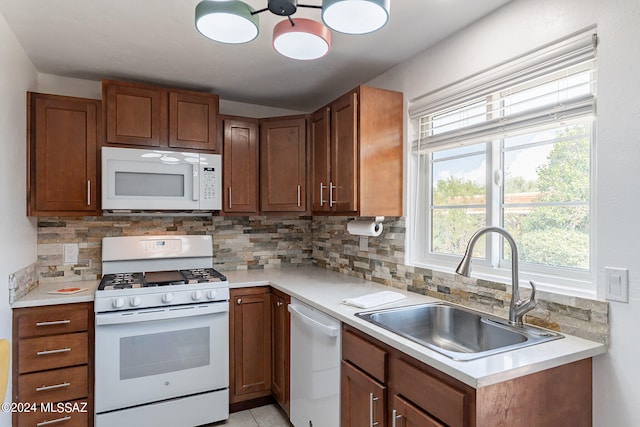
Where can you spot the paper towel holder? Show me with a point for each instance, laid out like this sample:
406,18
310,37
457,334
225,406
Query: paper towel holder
375,227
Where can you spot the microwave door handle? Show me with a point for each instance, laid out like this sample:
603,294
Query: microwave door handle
196,182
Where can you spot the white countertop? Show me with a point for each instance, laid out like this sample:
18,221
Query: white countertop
41,296
324,290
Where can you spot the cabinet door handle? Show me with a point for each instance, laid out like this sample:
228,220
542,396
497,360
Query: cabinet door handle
56,421
239,301
331,188
52,387
279,303
88,192
230,204
298,195
395,416
322,200
60,350
53,323
372,400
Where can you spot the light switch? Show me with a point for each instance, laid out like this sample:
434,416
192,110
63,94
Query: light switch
617,284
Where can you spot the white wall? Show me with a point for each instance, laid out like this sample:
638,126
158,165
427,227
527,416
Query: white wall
17,232
49,83
522,26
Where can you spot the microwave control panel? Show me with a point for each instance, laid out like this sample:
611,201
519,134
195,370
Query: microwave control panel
208,181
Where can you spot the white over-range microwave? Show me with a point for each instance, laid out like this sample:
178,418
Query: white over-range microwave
156,180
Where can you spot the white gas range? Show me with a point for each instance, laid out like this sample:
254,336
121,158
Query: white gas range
162,333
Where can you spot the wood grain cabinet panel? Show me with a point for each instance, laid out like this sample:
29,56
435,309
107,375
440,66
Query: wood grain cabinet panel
53,417
250,343
240,169
53,364
420,395
363,400
135,114
62,155
280,345
193,120
52,352
149,116
283,172
362,172
320,145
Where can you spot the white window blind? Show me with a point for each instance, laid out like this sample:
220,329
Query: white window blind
554,84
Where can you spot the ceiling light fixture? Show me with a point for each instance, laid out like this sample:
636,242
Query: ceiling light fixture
233,21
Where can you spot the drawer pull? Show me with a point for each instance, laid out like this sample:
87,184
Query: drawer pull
52,387
56,421
55,322
60,350
394,417
372,399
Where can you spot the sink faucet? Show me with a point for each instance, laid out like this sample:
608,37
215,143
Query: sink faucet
517,307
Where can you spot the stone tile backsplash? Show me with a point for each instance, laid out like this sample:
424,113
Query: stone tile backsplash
256,242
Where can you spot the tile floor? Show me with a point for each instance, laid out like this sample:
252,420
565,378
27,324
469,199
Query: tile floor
264,416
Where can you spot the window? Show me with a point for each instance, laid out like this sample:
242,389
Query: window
511,148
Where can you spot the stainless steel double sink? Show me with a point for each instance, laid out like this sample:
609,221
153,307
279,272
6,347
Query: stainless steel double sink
457,332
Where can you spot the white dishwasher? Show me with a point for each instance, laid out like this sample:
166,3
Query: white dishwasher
315,367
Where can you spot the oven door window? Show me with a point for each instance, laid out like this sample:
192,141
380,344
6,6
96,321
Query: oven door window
164,352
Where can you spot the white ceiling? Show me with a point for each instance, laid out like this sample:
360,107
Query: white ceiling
156,41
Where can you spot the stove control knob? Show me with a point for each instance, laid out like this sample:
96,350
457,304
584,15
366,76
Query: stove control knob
196,295
135,301
211,294
167,297
117,302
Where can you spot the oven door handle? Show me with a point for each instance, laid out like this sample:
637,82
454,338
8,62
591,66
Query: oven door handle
161,313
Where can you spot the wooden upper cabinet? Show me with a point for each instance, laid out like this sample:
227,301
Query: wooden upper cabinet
135,114
365,154
140,115
240,169
192,120
62,145
344,158
283,164
319,145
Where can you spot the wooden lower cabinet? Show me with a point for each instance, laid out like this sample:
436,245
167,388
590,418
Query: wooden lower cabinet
363,400
53,364
385,386
280,357
250,343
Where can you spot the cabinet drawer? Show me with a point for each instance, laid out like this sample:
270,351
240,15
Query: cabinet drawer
78,415
57,385
50,320
57,351
435,396
364,355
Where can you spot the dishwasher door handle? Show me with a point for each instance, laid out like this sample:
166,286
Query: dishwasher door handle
325,329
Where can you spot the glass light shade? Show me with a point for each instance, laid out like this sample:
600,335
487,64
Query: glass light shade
305,40
355,16
226,21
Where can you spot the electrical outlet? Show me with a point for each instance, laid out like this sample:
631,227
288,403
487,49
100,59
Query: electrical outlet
617,284
70,251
